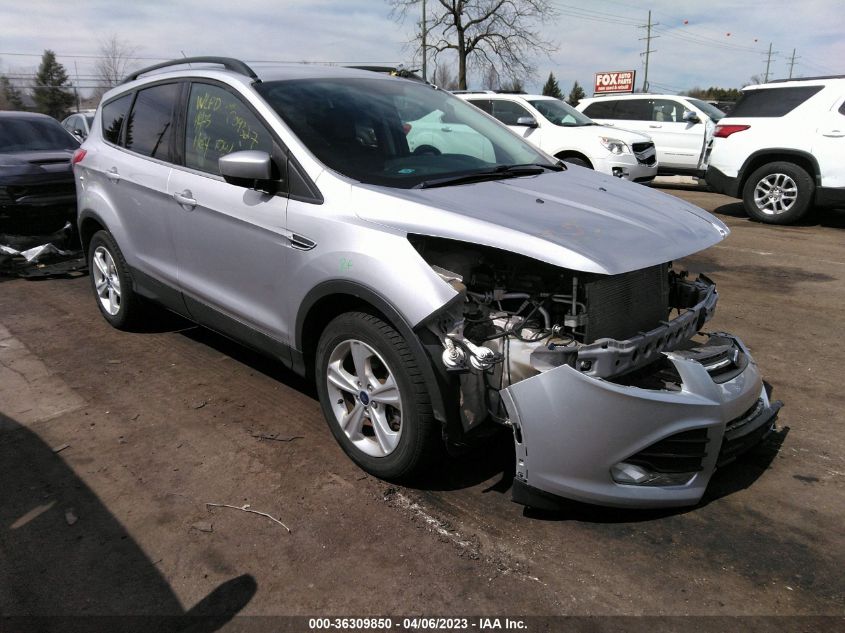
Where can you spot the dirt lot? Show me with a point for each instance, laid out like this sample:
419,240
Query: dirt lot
111,444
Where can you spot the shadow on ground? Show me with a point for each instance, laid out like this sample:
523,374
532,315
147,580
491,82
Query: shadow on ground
64,555
830,218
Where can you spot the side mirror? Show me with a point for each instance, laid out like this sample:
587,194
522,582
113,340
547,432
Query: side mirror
527,121
691,117
79,134
245,168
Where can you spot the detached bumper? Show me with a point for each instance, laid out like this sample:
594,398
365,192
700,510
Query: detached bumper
579,437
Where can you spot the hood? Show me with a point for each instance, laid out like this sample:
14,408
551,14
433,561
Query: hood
575,219
35,163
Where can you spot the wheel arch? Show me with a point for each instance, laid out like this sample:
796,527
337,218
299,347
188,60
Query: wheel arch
331,299
571,153
89,223
803,159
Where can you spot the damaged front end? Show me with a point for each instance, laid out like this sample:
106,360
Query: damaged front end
613,393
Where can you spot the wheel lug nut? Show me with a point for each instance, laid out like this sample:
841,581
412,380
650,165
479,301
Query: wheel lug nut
369,387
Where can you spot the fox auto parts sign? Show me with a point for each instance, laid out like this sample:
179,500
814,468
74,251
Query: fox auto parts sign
614,81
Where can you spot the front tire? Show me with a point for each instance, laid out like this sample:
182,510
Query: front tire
778,193
374,396
111,282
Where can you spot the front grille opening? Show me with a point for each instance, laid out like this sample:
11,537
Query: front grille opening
680,453
661,375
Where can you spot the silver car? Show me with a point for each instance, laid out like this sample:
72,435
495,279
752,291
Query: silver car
433,295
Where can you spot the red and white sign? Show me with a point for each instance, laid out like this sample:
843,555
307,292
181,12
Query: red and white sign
615,81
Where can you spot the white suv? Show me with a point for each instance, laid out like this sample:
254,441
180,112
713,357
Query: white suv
783,149
680,126
561,131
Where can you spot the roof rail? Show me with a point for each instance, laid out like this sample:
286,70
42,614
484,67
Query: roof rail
782,81
473,92
401,71
229,63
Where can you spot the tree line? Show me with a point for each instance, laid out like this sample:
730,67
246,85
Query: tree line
53,93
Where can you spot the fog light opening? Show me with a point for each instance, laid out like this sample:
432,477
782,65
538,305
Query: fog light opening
618,172
635,475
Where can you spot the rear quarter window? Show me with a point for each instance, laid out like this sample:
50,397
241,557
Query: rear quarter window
114,114
600,110
772,102
150,124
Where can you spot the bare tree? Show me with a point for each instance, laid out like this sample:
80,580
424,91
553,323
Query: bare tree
116,59
444,77
500,33
490,79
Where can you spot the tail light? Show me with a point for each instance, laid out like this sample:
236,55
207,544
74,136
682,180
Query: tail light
724,131
78,155
406,127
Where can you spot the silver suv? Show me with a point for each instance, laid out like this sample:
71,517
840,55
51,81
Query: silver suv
432,295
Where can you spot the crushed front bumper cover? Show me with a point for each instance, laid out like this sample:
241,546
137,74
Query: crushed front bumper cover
589,439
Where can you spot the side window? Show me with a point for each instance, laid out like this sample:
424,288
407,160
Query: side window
842,108
601,110
114,113
666,111
484,104
150,124
633,110
508,111
218,124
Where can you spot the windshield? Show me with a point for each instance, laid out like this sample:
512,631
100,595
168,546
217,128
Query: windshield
560,113
32,135
394,133
708,108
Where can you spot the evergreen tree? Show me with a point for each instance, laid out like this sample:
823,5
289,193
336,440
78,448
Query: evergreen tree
52,91
10,96
552,88
576,94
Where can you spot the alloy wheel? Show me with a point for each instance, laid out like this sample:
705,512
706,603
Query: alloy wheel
365,397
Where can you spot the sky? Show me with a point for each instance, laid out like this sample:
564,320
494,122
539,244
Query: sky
712,43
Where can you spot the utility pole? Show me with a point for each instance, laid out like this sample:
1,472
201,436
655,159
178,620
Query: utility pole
76,87
424,34
648,50
769,62
792,62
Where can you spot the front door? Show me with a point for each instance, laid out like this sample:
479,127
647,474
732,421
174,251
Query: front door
231,239
829,146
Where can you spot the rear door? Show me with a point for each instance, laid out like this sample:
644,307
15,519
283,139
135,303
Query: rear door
231,239
829,145
134,172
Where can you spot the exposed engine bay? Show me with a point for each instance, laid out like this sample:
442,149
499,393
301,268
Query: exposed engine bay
519,317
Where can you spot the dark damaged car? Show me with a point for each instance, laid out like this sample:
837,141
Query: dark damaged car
37,191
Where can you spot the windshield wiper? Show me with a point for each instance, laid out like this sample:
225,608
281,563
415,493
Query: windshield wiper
497,173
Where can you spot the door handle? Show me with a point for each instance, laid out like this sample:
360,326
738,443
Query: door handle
655,126
113,175
185,198
834,133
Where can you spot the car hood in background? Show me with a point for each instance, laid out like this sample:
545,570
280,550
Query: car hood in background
40,163
575,219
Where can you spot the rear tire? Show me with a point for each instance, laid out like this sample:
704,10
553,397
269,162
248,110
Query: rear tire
110,280
778,193
374,397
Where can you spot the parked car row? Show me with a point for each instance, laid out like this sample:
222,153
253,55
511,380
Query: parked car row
437,275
